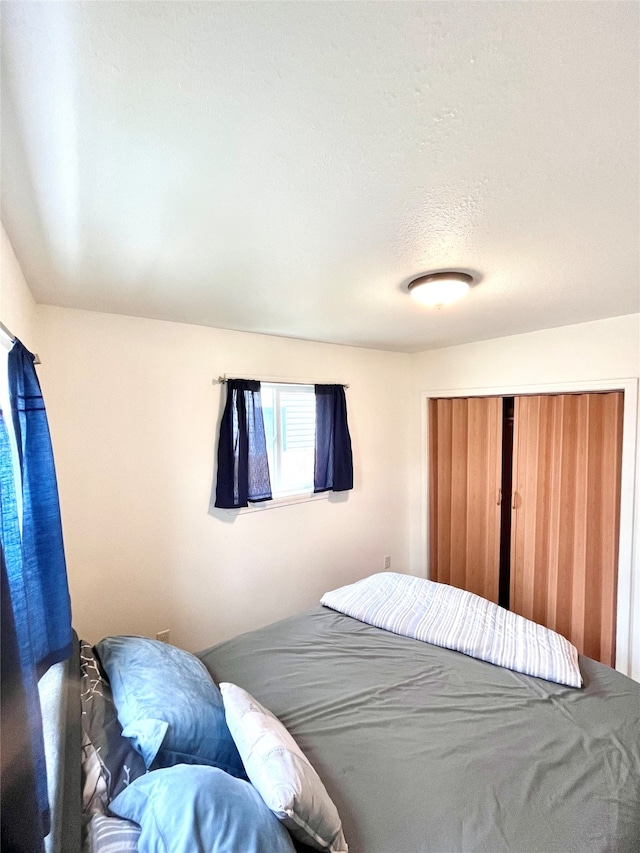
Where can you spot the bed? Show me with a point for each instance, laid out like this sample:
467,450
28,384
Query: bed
427,750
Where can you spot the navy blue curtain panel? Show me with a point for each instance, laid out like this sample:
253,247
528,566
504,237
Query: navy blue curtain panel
333,456
44,569
33,554
243,466
23,679
22,828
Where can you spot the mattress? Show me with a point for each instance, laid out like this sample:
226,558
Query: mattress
426,750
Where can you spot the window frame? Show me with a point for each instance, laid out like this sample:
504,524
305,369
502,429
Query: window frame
282,497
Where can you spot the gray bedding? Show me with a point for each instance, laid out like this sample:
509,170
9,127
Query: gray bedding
425,749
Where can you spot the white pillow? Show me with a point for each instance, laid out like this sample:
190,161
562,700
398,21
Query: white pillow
281,773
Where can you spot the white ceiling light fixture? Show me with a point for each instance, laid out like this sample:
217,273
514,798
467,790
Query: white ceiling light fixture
436,289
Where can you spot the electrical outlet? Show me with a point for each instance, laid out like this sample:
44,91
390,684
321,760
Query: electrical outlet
387,562
164,636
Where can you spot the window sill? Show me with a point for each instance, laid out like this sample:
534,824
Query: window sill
278,502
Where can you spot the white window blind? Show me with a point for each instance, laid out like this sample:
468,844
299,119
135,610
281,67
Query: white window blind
289,419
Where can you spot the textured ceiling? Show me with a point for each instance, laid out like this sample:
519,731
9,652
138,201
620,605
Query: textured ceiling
287,167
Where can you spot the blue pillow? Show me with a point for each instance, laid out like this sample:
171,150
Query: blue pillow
191,809
168,705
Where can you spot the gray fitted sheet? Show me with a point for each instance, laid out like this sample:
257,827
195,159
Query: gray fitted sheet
425,749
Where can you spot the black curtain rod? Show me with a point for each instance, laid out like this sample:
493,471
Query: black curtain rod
276,381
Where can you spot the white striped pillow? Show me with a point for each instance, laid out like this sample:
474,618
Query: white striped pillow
456,619
113,835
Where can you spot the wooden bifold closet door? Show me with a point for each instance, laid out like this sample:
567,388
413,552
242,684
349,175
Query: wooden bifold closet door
565,517
465,473
560,554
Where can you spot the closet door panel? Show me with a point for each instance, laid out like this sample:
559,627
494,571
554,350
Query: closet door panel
565,524
464,484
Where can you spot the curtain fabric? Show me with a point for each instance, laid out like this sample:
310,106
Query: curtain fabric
22,820
243,467
333,455
44,571
38,600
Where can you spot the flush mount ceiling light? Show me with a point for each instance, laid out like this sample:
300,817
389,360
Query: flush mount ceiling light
436,289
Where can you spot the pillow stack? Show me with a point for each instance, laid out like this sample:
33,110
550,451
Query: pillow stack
200,808
109,761
226,775
168,705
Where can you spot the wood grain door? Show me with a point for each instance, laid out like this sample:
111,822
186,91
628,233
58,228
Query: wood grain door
565,520
465,441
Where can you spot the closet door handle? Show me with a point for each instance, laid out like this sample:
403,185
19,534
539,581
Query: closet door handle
499,496
515,502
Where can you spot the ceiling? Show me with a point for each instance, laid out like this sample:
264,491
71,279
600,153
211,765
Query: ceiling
287,168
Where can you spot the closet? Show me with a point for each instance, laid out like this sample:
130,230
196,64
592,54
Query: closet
524,504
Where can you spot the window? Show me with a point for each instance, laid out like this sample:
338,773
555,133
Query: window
282,440
289,413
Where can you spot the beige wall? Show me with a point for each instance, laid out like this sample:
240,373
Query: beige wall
599,350
585,353
17,306
134,414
